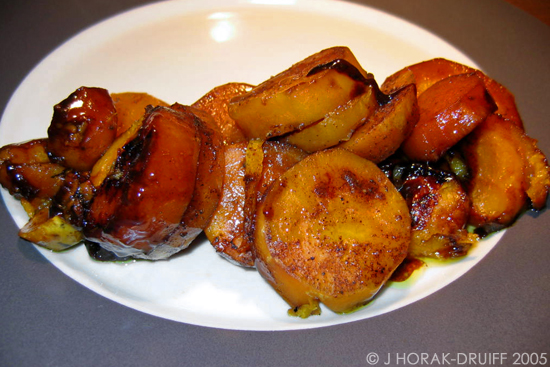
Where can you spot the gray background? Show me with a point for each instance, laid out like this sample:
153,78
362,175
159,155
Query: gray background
501,305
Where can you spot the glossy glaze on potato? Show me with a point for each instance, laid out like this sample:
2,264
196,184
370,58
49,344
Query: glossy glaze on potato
83,126
138,209
283,103
385,130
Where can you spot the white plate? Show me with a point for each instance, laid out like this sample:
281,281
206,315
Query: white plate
177,51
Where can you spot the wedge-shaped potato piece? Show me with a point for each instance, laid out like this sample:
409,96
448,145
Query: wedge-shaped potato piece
54,233
449,110
387,128
83,127
427,73
498,182
138,208
506,169
337,126
131,106
296,98
331,229
216,104
243,188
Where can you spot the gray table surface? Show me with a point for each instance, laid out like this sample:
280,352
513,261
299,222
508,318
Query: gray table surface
500,306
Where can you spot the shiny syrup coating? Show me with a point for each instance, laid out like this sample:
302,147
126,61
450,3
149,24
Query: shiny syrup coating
83,126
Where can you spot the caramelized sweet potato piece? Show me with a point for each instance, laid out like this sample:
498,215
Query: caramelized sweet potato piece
210,170
505,166
427,73
331,229
449,110
26,170
131,106
337,126
241,193
138,208
216,104
294,98
439,208
382,134
83,127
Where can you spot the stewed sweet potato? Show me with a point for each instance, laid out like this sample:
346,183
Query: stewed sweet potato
331,229
505,166
440,208
386,129
337,126
244,186
209,179
27,172
427,73
215,103
296,98
449,110
138,208
83,127
131,106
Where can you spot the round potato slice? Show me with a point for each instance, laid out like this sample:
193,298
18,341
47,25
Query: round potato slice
331,229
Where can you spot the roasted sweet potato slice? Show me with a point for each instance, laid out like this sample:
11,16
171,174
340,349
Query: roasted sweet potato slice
391,123
26,170
449,110
244,186
131,106
439,208
331,229
295,98
506,169
427,73
138,208
337,126
498,185
216,102
210,170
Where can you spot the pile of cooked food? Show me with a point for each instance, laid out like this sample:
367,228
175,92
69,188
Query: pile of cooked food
326,182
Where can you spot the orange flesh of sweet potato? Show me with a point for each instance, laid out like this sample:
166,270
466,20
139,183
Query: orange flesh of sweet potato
215,102
449,110
498,183
331,229
283,103
131,106
384,131
427,73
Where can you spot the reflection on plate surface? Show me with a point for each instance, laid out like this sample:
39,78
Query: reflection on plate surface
178,51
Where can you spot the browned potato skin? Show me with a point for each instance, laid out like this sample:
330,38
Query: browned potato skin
449,110
226,231
210,169
26,170
83,127
131,106
216,102
283,103
384,132
440,208
142,203
427,73
332,229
